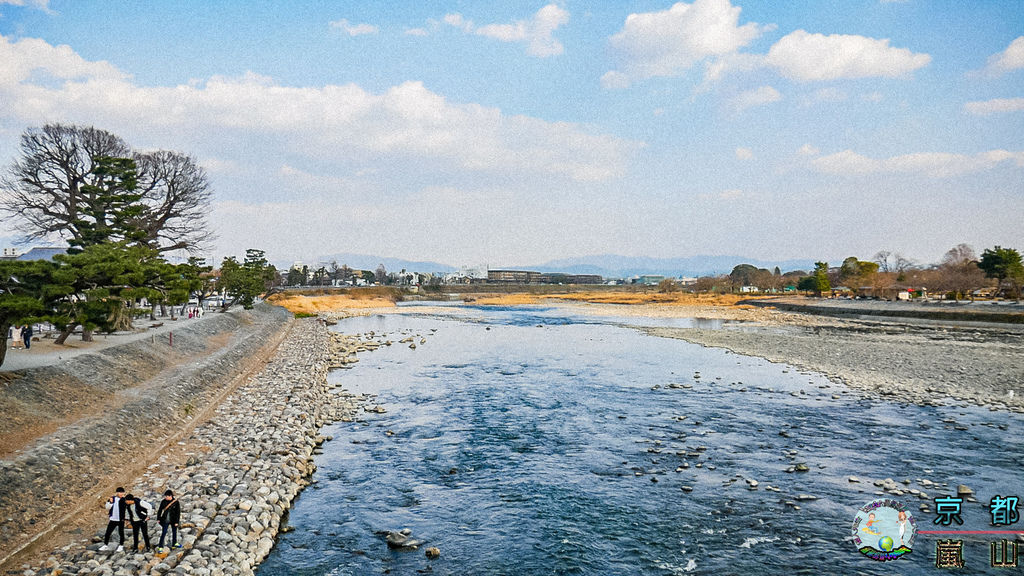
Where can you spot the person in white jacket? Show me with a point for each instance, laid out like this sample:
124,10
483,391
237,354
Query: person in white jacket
115,519
137,511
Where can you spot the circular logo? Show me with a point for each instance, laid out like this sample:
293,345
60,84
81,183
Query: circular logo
884,530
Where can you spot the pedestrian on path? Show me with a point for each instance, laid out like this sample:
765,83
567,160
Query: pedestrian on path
169,515
27,335
138,511
16,338
115,519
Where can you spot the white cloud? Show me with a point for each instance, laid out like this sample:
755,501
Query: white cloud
417,32
43,5
537,33
354,29
670,42
613,80
756,97
405,121
744,153
1008,60
808,150
931,164
807,57
459,22
995,106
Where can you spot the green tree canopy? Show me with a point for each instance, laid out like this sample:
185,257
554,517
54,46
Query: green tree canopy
23,286
244,281
1003,264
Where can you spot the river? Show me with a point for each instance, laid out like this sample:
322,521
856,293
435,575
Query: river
530,441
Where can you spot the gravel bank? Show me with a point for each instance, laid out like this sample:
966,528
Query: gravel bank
920,364
238,473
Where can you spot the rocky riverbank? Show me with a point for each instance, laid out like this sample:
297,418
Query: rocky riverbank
237,474
108,414
929,365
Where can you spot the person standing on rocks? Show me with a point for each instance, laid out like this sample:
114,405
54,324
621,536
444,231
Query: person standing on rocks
169,515
138,511
115,519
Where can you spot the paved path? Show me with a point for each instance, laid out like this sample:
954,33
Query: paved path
46,353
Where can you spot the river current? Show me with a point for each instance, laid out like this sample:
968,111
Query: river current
530,441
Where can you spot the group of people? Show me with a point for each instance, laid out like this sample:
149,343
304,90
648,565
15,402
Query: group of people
126,508
196,312
21,336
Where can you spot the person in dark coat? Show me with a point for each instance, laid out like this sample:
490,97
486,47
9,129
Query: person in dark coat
115,519
138,511
26,333
169,515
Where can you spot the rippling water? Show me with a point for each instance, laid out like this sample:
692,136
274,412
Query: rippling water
530,442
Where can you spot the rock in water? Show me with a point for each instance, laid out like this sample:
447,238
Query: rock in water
402,540
433,552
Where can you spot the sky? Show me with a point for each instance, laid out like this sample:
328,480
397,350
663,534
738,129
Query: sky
511,133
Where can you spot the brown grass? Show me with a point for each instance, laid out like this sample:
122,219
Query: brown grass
668,299
623,297
505,299
315,304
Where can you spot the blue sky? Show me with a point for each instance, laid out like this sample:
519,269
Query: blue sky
516,132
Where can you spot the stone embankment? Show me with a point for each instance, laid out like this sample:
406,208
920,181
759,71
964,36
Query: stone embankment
237,474
111,412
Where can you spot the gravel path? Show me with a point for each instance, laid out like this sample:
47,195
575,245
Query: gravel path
46,353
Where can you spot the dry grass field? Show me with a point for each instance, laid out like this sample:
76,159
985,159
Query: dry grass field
317,303
605,297
361,298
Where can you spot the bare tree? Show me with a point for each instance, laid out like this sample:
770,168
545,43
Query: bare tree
959,255
56,185
892,262
177,195
882,259
47,190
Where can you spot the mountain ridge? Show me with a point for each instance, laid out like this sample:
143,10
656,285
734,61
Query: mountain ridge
605,265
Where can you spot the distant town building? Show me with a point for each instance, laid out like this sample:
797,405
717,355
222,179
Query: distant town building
42,253
530,277
585,279
649,279
513,276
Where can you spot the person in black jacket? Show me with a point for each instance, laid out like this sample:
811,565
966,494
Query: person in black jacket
115,519
138,511
169,515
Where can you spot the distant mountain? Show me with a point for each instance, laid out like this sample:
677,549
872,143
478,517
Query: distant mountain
368,262
615,266
606,265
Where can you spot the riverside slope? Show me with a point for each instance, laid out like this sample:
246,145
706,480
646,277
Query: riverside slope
237,473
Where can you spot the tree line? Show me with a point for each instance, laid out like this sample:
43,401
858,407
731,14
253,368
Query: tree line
120,212
959,274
